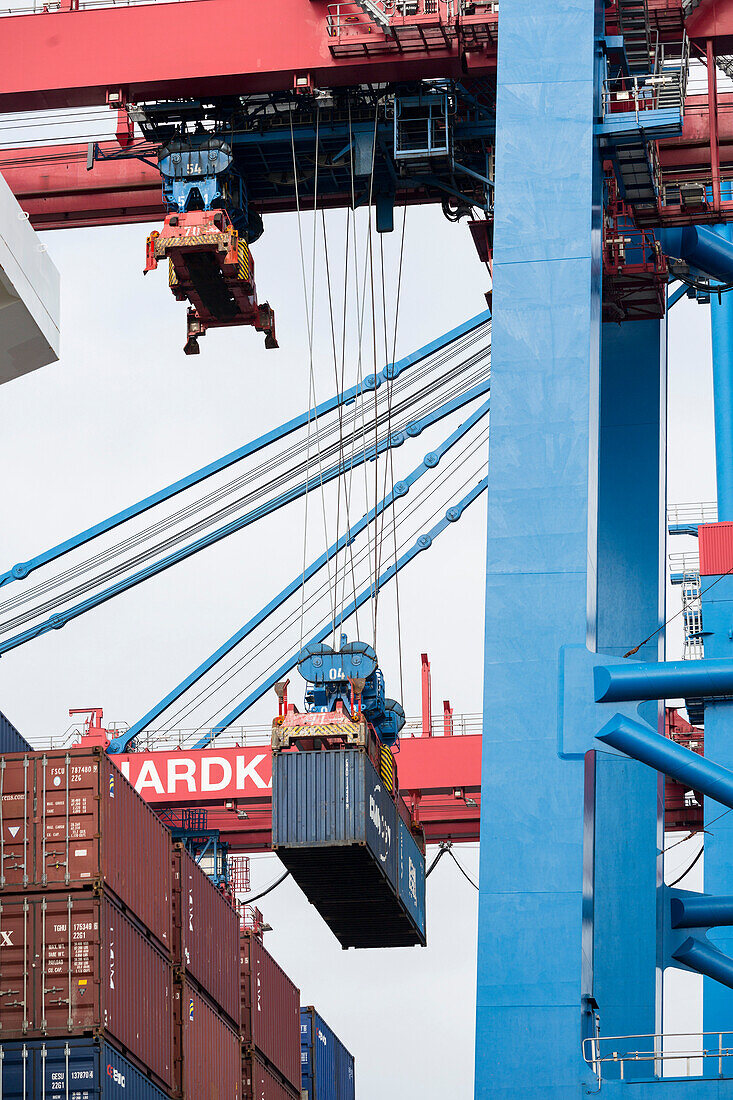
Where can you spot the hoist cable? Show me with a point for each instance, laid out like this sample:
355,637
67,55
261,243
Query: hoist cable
456,462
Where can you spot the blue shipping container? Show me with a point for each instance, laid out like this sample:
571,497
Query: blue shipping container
10,739
59,1069
335,828
327,1067
412,876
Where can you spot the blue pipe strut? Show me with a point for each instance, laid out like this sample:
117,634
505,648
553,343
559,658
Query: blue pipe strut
393,370
701,956
721,321
401,489
701,247
664,755
61,618
666,680
703,911
423,542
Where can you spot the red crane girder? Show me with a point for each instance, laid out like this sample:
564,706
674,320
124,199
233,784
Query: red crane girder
75,58
440,779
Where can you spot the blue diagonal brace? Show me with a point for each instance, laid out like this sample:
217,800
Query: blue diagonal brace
61,618
370,383
424,541
401,489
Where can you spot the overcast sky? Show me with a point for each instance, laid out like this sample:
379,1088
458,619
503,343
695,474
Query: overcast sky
124,413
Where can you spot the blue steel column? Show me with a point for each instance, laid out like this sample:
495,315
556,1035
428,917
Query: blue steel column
623,973
541,547
721,321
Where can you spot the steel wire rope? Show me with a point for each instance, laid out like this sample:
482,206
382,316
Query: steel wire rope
313,599
289,618
276,631
339,389
278,660
169,521
166,544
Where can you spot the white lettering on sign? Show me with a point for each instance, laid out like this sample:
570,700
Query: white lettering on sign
183,771
5,940
177,775
244,770
149,777
209,762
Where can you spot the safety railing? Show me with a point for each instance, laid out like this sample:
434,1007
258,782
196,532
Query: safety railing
663,87
246,736
51,7
350,17
617,1052
705,512
685,562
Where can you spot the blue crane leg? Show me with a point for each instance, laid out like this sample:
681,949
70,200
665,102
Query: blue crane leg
543,443
721,320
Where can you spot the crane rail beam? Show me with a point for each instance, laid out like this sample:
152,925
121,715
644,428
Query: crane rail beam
157,51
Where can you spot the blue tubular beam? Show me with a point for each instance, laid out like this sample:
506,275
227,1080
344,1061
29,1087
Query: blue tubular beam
423,542
701,956
401,489
666,680
391,371
701,912
56,621
664,755
702,248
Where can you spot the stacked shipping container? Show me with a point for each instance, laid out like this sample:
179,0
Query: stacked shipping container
270,1024
327,1067
118,958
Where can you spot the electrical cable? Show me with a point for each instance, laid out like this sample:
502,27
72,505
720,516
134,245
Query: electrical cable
444,847
685,873
248,901
677,614
463,872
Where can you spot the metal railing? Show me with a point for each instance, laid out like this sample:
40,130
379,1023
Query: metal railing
686,562
717,1045
349,17
663,87
52,7
705,512
246,736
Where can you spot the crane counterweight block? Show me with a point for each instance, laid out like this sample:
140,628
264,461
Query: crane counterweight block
210,266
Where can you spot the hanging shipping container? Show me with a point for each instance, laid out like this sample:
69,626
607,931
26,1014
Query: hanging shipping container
270,1019
211,1060
74,964
327,1067
10,739
89,828
206,934
62,1069
334,826
259,1082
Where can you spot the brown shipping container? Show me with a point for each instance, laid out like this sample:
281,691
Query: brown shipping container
90,826
260,1083
206,934
210,1049
270,1017
73,964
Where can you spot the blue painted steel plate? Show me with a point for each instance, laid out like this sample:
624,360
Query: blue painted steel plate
80,1068
327,1066
411,876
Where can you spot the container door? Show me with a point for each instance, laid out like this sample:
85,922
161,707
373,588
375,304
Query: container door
16,810
68,837
17,1071
16,970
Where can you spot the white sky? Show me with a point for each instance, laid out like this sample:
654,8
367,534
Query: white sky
124,413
